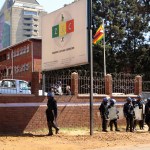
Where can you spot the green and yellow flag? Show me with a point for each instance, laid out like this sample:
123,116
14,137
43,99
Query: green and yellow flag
99,34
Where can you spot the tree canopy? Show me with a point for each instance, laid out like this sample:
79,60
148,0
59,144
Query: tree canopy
126,24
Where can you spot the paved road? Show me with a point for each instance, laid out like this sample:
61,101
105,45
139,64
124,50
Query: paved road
135,147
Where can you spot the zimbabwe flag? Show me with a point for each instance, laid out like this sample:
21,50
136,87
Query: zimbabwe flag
98,35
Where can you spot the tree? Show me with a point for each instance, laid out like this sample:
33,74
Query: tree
126,22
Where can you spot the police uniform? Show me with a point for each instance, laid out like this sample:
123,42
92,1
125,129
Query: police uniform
147,113
51,113
113,115
129,114
134,115
104,114
140,104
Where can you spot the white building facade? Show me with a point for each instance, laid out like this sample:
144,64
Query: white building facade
19,20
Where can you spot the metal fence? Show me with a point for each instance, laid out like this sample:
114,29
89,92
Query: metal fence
53,78
123,83
84,83
146,86
146,82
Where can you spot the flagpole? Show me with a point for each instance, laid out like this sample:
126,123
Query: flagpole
104,50
91,62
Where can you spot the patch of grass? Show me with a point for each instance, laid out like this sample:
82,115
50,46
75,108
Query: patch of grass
75,131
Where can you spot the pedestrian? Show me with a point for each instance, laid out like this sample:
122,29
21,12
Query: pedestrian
129,114
140,104
104,114
113,115
58,88
68,90
147,113
51,113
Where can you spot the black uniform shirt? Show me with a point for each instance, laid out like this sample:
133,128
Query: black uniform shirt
128,109
52,105
104,110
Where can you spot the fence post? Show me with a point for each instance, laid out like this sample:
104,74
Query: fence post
35,86
138,85
108,84
74,83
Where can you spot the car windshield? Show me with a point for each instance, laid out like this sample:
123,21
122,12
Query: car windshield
23,85
8,83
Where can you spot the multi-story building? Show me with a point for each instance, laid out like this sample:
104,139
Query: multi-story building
20,60
19,20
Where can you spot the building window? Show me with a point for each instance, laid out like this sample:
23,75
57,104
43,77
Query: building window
27,18
2,57
17,52
27,24
27,35
35,19
14,54
25,49
30,13
20,51
35,25
8,56
11,54
9,71
28,47
27,30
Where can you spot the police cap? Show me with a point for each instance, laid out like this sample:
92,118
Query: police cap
129,99
49,94
105,99
112,100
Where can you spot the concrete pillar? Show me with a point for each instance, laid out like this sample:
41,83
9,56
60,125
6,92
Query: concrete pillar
74,83
108,84
138,85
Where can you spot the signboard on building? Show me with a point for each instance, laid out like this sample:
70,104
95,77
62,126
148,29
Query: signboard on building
64,37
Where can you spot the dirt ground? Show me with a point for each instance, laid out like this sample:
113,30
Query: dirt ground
77,139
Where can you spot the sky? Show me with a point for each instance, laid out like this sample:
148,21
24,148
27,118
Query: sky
48,5
52,5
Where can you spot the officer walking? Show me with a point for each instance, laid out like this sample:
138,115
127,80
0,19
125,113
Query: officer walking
51,113
147,113
104,114
113,115
129,114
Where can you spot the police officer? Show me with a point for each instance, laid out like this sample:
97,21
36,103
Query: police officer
134,116
140,104
113,115
147,113
51,113
129,114
104,114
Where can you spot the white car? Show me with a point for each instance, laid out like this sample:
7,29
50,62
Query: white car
14,86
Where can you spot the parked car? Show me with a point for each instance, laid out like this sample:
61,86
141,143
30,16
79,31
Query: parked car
14,86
